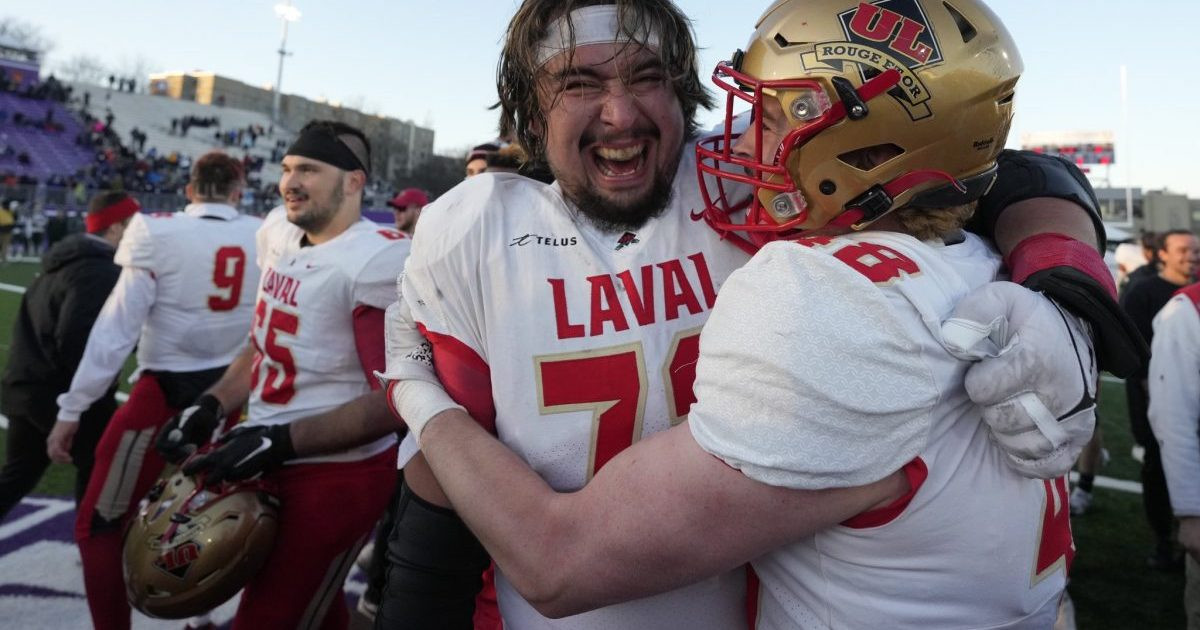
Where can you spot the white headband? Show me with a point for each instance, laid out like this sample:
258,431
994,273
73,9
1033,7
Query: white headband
596,24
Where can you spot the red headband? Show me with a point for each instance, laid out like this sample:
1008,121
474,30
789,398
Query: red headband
99,220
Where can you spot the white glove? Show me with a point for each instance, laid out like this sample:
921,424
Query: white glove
1035,375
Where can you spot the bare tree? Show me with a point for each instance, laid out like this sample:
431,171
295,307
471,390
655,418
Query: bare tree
25,34
83,68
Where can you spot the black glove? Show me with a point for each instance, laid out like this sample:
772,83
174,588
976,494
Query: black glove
244,453
189,429
1120,348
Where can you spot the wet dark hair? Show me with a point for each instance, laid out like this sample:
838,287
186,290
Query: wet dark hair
518,72
215,175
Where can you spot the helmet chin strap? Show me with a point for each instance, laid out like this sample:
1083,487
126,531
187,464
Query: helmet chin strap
878,200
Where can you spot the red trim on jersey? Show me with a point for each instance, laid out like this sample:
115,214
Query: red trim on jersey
487,610
1192,291
752,587
917,472
391,400
465,375
368,340
1043,251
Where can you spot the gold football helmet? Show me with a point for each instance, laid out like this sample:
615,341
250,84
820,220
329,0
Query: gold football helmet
191,548
923,87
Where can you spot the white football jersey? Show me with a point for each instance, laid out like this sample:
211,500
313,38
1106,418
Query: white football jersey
306,361
1174,383
824,367
203,264
589,337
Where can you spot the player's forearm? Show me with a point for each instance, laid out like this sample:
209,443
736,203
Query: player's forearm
358,422
1043,215
233,388
621,538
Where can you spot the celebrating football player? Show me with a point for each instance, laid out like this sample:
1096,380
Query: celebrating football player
183,297
595,347
328,273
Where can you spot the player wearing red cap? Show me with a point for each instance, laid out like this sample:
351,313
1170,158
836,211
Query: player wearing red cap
406,207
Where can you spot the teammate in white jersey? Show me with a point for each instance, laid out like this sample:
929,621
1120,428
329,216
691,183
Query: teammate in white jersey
1174,413
184,297
825,393
317,338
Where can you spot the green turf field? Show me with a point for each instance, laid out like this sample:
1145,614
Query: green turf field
1110,584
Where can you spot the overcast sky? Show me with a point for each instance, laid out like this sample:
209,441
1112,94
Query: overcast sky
433,62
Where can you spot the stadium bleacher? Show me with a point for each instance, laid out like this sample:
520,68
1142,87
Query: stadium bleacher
153,114
52,152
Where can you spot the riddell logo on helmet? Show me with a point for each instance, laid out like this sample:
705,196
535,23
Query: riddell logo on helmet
880,36
177,560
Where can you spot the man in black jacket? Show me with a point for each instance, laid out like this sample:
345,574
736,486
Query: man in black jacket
48,338
1177,254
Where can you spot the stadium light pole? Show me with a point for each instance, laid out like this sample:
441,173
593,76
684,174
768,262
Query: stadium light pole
287,14
1125,147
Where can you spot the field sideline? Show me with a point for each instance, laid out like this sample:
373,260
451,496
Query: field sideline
40,585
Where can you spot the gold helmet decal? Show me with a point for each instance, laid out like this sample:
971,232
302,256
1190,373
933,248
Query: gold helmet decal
880,36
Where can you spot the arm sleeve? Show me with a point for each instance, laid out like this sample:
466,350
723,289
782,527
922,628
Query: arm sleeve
80,307
137,245
112,339
807,377
1175,400
375,284
1026,175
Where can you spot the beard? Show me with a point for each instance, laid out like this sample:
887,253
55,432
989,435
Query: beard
612,216
318,214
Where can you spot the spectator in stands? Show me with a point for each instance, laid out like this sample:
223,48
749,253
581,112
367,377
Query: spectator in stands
1175,417
37,231
56,227
21,244
406,208
49,334
8,222
1178,254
